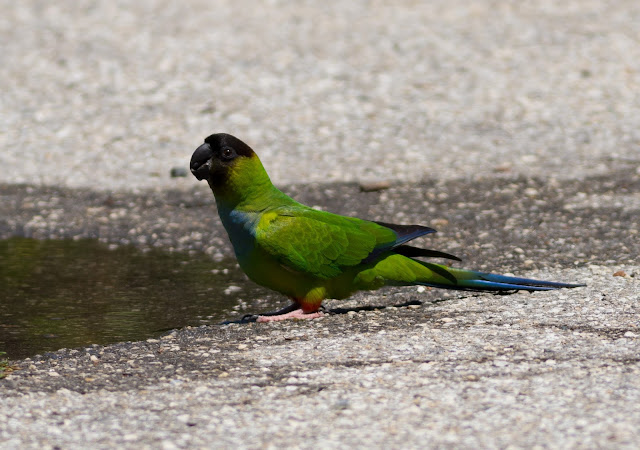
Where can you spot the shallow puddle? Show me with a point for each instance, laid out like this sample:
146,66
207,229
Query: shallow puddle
64,293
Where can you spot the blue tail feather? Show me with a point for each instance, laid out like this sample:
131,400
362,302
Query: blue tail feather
495,286
469,280
525,283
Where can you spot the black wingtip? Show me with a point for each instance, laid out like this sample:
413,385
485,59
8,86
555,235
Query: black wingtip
408,232
416,252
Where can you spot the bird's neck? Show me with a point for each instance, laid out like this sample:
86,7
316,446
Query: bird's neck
247,188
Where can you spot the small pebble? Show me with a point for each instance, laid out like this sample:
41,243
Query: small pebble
178,172
375,186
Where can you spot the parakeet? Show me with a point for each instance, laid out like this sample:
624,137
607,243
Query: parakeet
310,255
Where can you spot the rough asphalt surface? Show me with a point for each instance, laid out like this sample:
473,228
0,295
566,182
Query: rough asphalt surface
510,128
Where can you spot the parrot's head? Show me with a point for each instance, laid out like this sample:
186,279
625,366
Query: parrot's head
219,158
230,166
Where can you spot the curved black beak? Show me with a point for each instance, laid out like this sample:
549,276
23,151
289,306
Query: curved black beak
201,162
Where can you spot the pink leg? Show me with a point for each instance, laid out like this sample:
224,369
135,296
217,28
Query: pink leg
294,314
293,311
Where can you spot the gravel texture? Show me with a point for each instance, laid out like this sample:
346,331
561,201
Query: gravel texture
341,91
475,371
511,128
395,368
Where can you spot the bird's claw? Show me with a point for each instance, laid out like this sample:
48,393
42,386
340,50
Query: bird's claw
248,318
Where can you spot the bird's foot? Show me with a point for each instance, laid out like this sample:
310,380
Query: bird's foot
293,311
295,314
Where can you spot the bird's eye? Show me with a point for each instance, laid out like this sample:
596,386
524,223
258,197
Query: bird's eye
228,153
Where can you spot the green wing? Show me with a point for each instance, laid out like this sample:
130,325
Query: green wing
324,244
